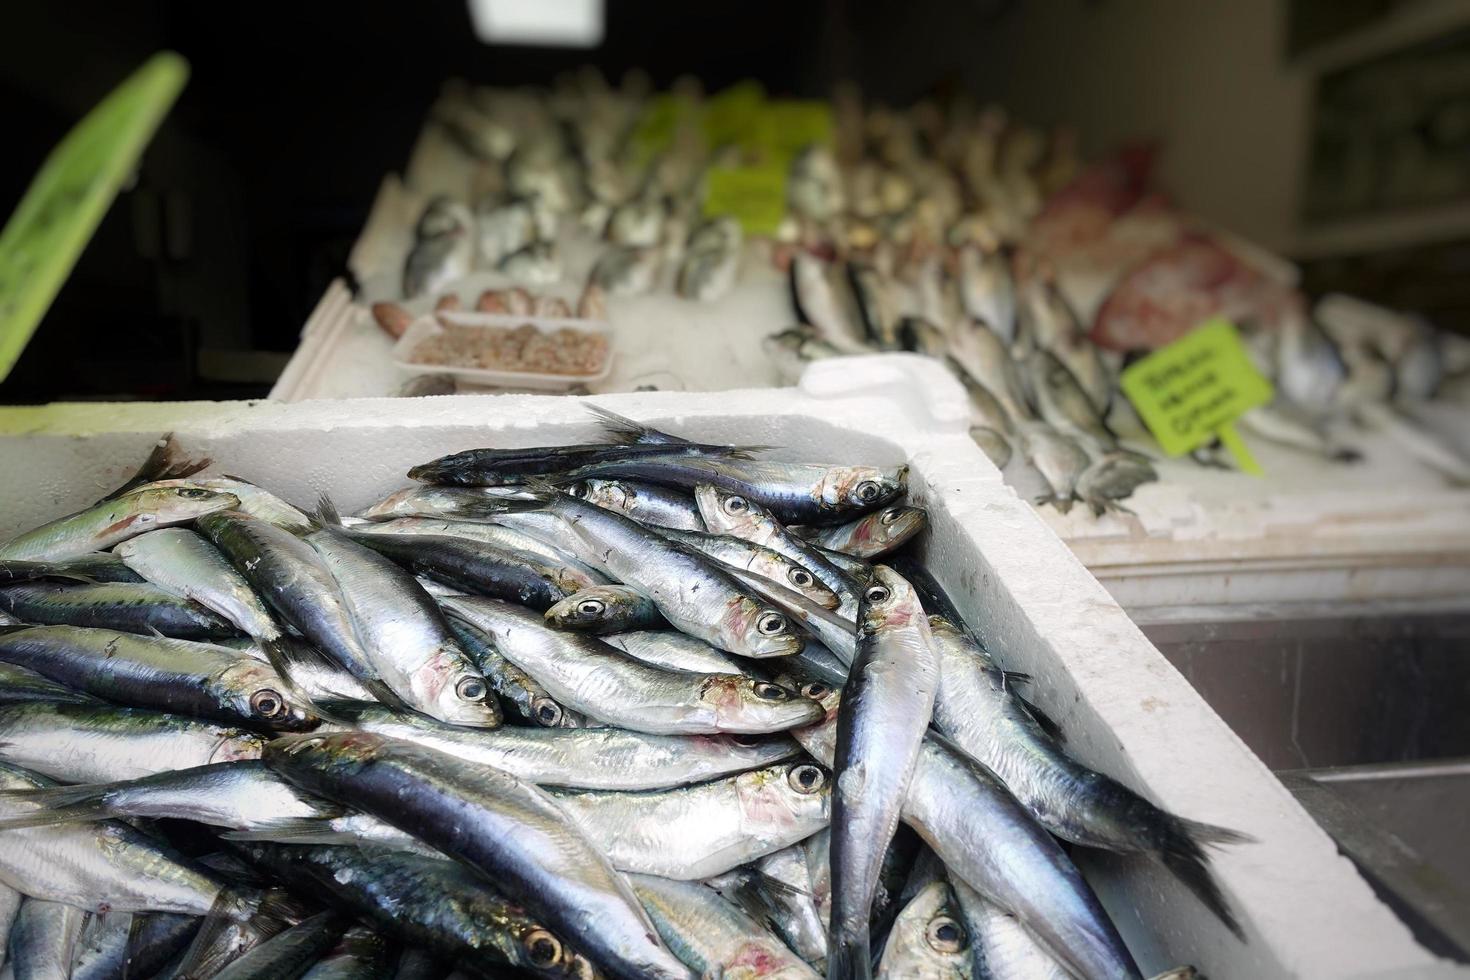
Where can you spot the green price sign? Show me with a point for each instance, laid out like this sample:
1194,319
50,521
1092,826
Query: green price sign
68,197
1194,389
754,196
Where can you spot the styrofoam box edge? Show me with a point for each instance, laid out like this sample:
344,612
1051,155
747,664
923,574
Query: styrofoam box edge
1125,710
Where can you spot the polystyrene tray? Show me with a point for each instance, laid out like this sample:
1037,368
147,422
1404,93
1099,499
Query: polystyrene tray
429,325
1305,909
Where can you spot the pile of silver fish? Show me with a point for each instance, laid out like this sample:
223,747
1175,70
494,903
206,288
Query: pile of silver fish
640,708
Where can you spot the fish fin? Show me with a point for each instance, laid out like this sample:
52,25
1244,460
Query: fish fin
293,831
386,696
1015,677
849,958
1179,845
229,907
155,632
59,804
326,512
165,462
625,431
1047,723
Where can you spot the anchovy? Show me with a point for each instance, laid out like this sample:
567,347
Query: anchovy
698,831
516,689
158,672
712,935
426,902
606,609
928,940
86,743
599,680
105,524
187,565
758,559
885,710
507,830
871,535
133,607
647,503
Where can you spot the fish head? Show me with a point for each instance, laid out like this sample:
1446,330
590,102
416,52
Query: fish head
784,798
590,608
753,629
238,745
750,705
888,528
888,602
796,576
255,693
820,737
162,506
861,488
727,512
609,494
927,937
454,690
540,950
395,503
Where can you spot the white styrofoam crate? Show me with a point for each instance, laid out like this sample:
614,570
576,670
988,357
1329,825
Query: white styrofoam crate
1125,710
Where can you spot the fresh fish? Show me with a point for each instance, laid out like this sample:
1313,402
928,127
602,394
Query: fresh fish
1112,478
517,690
777,888
21,685
44,939
1085,360
1063,403
874,306
187,565
857,570
979,711
477,568
504,538
1047,317
987,290
443,250
816,302
513,834
102,949
538,264
698,831
159,672
794,348
592,677
922,337
288,574
731,513
1309,366
831,631
707,274
673,650
98,566
152,941
1001,946
1284,423
426,902
313,673
928,940
871,535
503,228
590,758
404,633
85,743
713,936
10,900
105,524
1058,459
984,357
601,609
697,596
646,503
288,953
133,607
624,270
360,954
103,867
758,560
435,502
253,500
885,710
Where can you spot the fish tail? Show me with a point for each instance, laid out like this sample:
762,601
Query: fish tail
165,462
62,804
1179,845
849,959
326,513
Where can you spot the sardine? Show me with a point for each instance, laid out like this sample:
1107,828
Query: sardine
874,306
814,301
758,560
538,264
928,940
987,290
1058,459
133,607
601,609
778,888
44,939
105,524
983,356
360,954
187,565
504,538
513,834
695,832
646,503
712,935
1001,945
517,690
871,535
451,503
21,685
443,251
290,952
253,500
627,271
673,650
99,566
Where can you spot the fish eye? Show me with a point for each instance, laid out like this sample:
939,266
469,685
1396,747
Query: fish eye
471,689
547,712
735,505
876,593
578,489
543,948
193,493
806,779
868,491
268,703
591,607
944,935
815,690
746,741
771,624
769,692
800,577
890,515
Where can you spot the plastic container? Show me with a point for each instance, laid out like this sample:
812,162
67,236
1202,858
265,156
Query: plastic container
431,325
1305,909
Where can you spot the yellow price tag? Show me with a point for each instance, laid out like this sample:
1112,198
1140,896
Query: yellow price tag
791,125
734,115
69,196
754,196
1194,389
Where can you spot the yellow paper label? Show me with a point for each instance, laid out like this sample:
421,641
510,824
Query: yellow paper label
754,196
1188,392
70,194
